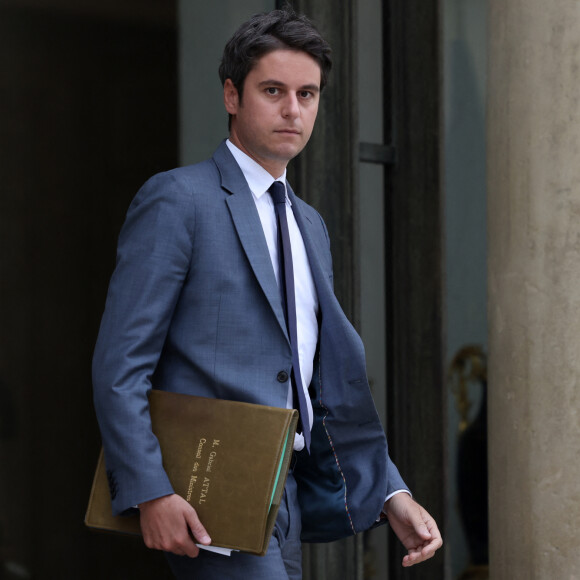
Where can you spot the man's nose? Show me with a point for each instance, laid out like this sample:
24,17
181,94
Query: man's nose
291,107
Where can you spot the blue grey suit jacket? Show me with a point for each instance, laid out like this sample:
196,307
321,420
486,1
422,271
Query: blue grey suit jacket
193,307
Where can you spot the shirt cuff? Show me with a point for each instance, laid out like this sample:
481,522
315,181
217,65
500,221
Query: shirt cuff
396,492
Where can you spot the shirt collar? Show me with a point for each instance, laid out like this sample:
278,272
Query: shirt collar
259,180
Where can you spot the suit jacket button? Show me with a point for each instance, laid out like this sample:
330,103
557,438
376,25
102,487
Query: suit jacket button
282,377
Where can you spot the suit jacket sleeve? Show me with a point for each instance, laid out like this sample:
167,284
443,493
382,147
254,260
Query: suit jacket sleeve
153,259
394,482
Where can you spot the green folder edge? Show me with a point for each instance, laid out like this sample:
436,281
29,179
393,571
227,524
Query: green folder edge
279,469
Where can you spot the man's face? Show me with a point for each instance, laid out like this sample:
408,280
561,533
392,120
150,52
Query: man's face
275,118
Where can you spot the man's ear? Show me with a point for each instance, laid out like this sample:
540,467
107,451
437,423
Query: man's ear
231,97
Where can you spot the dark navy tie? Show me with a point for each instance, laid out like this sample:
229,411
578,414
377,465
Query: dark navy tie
286,274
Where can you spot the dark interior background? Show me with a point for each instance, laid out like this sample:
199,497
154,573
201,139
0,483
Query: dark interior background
88,111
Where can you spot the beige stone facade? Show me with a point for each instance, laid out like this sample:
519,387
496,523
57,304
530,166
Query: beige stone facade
534,288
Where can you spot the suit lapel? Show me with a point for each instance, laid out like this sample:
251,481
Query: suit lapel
249,228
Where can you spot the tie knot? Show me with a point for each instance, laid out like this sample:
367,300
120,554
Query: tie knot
278,192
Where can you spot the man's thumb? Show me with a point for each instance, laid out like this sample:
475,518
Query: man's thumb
197,529
420,526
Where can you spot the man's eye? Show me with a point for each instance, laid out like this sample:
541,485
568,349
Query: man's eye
305,94
272,90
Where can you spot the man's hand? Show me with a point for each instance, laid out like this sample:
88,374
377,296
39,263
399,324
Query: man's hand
415,528
169,523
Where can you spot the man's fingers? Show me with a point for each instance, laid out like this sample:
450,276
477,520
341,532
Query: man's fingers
180,543
435,544
417,556
187,548
422,530
417,519
425,526
199,532
436,539
422,553
169,523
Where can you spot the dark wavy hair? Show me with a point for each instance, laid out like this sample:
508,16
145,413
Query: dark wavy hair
264,33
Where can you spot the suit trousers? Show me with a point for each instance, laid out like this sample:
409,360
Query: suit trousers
283,560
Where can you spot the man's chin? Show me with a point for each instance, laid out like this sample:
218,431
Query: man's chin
288,152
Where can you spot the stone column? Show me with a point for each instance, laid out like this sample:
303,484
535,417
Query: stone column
534,288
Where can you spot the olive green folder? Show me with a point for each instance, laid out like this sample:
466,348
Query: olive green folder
228,459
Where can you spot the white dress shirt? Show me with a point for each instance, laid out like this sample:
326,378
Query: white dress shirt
259,181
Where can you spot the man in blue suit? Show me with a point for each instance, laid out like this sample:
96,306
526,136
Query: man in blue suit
194,307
